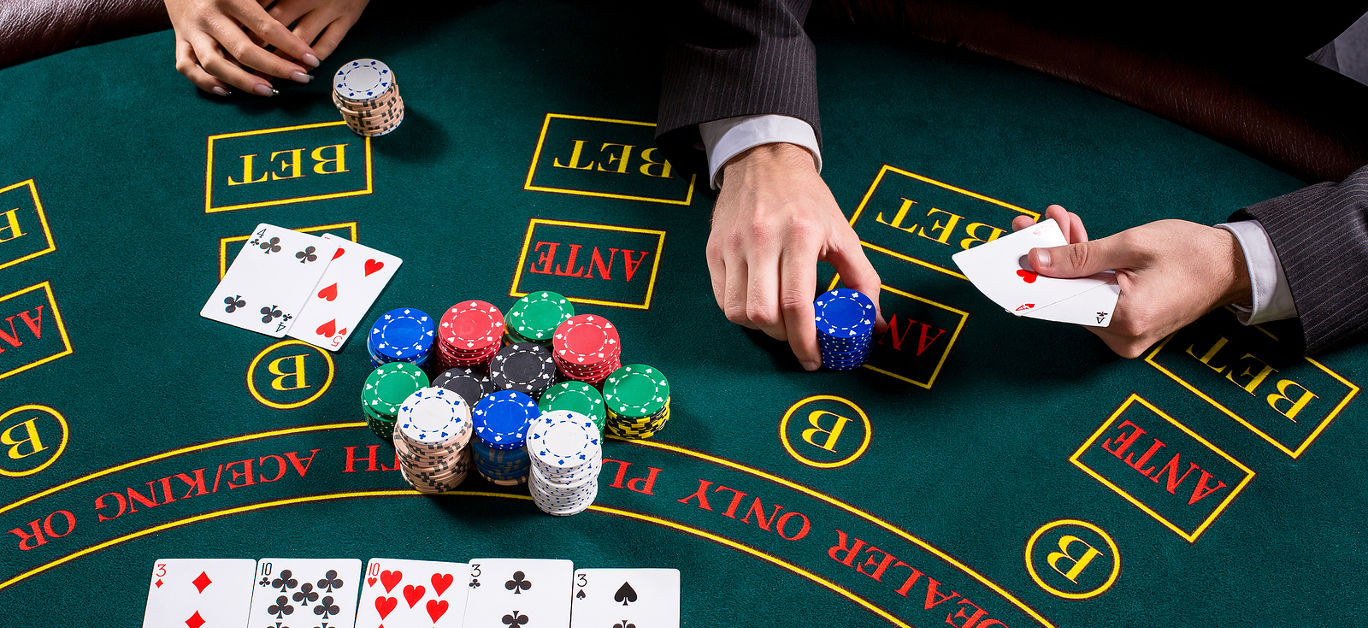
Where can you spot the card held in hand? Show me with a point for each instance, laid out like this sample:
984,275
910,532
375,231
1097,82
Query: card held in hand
269,281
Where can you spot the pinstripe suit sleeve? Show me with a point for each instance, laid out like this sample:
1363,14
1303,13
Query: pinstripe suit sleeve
1321,236
733,58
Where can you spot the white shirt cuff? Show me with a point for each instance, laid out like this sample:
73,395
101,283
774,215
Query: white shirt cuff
728,137
1272,296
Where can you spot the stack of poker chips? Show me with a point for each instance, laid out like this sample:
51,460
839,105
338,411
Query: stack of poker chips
535,317
501,421
567,454
637,397
469,334
430,437
367,96
401,335
845,328
470,384
526,367
586,348
575,397
384,392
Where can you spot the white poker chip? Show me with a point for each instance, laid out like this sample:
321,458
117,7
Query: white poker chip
433,416
362,79
563,439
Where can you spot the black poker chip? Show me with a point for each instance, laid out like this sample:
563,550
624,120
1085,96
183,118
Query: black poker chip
526,367
470,384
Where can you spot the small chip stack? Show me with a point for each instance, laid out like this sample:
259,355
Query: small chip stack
470,384
384,392
434,426
401,335
638,400
535,317
567,454
845,328
526,367
576,397
367,96
586,348
501,421
469,334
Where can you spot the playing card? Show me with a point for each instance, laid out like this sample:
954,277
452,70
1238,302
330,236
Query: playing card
269,281
999,271
1091,307
401,593
305,591
345,292
199,592
643,598
508,592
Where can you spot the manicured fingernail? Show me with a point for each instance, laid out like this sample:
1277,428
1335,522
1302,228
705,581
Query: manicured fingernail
311,60
811,366
1042,258
264,90
219,91
300,77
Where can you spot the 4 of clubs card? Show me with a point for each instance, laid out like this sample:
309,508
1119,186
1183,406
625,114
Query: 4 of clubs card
269,280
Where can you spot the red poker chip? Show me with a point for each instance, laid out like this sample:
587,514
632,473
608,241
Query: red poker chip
471,325
585,339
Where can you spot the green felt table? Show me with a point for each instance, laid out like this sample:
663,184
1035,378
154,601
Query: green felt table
983,470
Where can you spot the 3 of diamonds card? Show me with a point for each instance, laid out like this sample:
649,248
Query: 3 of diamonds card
199,593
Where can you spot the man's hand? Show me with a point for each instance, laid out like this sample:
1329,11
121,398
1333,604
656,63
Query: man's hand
1171,272
774,220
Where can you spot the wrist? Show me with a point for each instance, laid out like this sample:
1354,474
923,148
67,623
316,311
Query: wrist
1238,288
782,155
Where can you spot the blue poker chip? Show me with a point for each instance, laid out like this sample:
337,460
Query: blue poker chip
844,313
401,334
501,419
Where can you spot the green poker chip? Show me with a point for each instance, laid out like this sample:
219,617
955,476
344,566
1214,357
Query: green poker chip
577,397
389,385
636,391
536,316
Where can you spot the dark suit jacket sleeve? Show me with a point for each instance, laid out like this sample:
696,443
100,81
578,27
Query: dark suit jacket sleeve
733,58
1321,236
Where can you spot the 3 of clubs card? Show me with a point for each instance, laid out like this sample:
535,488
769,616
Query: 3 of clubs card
305,592
203,592
642,598
518,593
998,269
266,286
401,593
349,286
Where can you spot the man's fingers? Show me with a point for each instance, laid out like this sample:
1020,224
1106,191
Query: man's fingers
1021,222
271,31
797,284
762,293
734,294
857,273
717,274
1084,258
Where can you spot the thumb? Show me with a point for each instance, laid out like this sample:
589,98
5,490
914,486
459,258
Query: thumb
1083,259
858,274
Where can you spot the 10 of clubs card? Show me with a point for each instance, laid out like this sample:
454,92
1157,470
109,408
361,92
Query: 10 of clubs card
305,592
641,598
519,593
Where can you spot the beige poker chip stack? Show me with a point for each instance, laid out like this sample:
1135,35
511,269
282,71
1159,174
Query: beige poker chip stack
366,94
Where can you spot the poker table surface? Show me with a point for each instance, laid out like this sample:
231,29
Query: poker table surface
981,470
